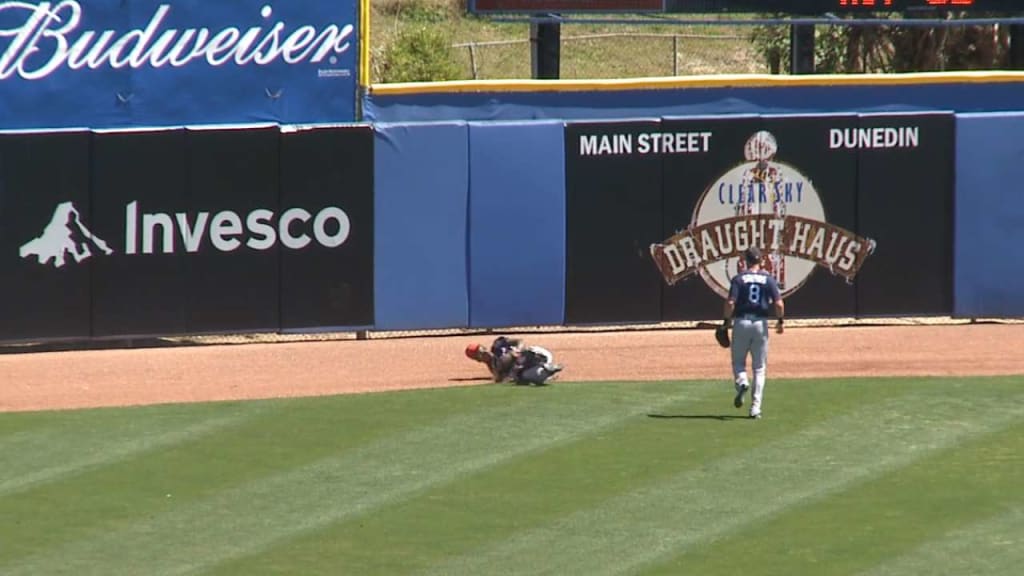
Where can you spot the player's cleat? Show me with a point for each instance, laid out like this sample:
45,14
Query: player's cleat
755,415
553,370
738,400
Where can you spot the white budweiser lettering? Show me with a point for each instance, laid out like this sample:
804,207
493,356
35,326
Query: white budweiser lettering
47,39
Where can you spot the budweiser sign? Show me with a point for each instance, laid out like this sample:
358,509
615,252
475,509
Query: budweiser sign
40,38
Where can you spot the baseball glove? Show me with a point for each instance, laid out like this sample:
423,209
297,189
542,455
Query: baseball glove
722,336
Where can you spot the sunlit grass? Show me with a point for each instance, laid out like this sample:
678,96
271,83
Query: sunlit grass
489,50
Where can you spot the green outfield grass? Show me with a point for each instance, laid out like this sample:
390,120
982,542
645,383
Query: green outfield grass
867,477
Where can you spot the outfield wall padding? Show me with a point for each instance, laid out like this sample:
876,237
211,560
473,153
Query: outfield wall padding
165,232
905,204
44,294
141,287
516,224
686,179
236,169
324,171
989,216
491,104
493,225
613,214
803,144
843,206
421,179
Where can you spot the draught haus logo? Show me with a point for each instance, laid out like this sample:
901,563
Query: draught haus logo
67,236
763,203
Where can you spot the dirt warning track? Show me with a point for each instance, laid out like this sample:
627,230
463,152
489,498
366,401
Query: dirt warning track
93,378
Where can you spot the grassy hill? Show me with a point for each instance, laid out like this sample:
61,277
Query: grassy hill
482,49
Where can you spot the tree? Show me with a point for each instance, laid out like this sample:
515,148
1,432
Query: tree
893,48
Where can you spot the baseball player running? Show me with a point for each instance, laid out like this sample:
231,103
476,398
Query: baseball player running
753,295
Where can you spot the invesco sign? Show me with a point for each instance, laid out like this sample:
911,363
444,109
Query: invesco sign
67,237
227,231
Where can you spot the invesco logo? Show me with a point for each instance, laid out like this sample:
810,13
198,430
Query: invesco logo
67,237
260,229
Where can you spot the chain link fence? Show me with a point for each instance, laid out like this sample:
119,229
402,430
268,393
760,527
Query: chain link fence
625,53
465,47
711,49
328,335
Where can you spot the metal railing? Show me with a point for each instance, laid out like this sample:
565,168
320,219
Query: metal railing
618,54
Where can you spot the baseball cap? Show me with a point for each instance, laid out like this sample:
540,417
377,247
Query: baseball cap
752,255
472,351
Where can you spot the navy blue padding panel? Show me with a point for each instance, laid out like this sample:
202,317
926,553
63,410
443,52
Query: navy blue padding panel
988,276
421,180
516,224
958,97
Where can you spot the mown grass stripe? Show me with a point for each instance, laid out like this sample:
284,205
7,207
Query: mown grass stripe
878,519
537,488
248,518
287,434
993,547
72,450
628,533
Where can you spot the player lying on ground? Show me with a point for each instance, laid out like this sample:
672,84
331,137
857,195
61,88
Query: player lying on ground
509,360
499,358
534,365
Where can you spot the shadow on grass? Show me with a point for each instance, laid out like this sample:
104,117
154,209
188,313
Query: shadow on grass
722,417
486,379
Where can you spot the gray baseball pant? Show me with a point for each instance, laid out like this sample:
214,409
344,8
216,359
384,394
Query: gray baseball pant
750,337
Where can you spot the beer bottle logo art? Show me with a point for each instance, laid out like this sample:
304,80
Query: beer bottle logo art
763,203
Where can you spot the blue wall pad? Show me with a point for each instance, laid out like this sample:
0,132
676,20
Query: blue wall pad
989,216
421,181
517,224
593,105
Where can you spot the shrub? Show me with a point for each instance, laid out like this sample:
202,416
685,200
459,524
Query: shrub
419,54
